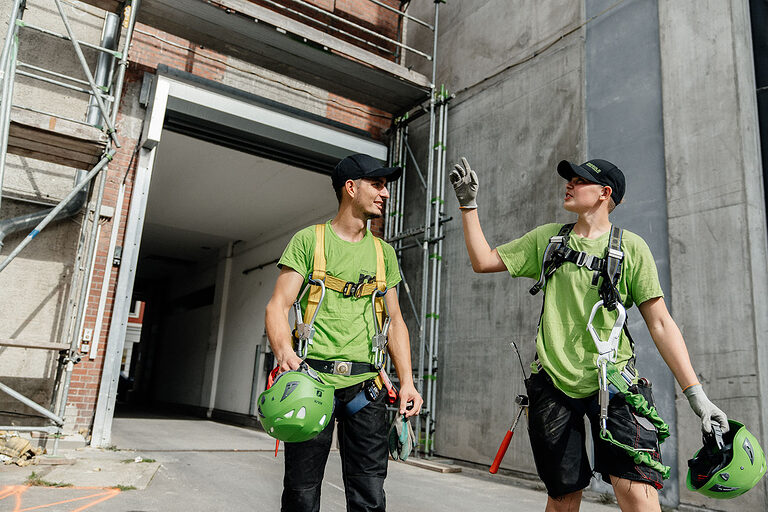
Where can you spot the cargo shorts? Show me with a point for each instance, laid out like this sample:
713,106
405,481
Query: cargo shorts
557,433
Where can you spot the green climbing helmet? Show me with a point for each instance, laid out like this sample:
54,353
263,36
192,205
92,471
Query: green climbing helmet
297,407
728,465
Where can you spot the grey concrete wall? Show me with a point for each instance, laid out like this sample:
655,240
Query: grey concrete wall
513,122
624,126
716,214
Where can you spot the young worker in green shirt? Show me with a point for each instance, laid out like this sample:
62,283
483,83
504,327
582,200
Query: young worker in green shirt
341,349
564,384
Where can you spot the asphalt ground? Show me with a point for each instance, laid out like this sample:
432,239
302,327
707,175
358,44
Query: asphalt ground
189,465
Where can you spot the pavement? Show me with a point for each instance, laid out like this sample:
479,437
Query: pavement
166,464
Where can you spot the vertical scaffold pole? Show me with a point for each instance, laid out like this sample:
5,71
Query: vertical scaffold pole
8,76
427,232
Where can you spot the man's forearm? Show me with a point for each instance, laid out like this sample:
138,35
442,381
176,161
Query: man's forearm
278,332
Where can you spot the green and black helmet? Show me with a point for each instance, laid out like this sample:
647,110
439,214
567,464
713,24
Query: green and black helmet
728,465
297,407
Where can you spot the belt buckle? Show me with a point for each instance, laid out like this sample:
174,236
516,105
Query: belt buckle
342,368
350,289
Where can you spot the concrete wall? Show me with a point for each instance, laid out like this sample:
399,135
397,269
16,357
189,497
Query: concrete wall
716,218
665,90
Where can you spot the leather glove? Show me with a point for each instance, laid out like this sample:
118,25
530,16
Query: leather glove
401,438
464,181
705,409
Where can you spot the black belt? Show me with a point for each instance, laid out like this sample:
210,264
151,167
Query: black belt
340,367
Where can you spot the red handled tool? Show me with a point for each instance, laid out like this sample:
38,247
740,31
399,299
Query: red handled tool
270,381
522,401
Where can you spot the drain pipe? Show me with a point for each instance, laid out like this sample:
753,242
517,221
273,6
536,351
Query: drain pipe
110,37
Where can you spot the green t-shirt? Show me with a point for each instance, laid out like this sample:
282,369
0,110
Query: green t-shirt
564,346
344,326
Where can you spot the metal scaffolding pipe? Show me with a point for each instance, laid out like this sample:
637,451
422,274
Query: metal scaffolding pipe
110,36
79,52
32,404
7,75
402,14
55,211
24,24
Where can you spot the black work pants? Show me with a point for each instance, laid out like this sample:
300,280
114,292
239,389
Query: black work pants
364,454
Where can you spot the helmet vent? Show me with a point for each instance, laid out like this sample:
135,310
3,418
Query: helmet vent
289,413
750,452
289,388
302,413
322,420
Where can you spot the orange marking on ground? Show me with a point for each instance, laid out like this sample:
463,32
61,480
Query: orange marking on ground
18,491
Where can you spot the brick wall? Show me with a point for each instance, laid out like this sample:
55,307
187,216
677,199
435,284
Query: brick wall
362,13
86,377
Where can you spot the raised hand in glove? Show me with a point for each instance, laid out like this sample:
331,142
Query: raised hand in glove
705,409
464,181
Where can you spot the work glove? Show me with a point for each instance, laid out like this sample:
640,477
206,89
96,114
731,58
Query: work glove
464,181
705,409
401,438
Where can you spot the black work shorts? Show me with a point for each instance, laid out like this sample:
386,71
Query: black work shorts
557,434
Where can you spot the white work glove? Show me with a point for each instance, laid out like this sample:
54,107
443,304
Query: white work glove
464,181
705,409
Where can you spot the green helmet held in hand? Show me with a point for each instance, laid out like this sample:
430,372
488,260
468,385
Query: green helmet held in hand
297,407
728,465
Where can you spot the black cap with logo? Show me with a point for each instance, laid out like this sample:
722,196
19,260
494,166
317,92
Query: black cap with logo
355,167
597,171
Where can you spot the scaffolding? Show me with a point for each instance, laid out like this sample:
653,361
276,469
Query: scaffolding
428,237
87,146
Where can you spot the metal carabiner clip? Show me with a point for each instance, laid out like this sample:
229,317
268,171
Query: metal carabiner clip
304,332
606,352
380,333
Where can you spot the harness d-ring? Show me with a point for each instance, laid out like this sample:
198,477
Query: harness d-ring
306,331
606,353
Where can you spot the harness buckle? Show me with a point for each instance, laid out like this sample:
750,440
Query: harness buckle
585,260
352,289
342,368
615,253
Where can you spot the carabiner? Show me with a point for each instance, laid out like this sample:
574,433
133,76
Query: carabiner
380,333
304,332
607,350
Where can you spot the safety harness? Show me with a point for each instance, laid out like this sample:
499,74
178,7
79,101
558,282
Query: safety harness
318,282
610,379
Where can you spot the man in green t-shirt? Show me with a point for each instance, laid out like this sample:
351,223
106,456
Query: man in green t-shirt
342,349
563,386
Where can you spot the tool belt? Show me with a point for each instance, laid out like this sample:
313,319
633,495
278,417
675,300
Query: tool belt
340,367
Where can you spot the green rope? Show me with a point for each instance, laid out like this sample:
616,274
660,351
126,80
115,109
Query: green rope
641,406
640,457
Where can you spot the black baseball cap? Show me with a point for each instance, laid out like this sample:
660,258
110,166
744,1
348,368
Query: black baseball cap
597,171
355,167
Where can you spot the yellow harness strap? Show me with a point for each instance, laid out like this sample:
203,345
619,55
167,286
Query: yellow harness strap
341,286
318,273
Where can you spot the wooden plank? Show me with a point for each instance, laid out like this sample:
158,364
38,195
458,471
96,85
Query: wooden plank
53,139
43,345
48,153
56,140
57,124
433,466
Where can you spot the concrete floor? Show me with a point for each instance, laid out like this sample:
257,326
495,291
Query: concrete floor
195,465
